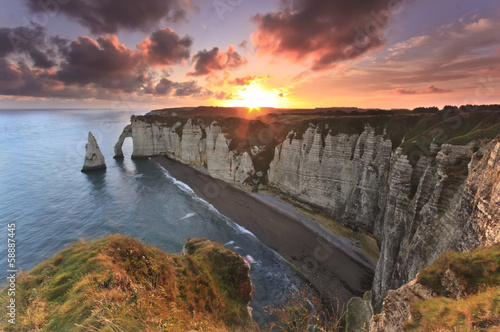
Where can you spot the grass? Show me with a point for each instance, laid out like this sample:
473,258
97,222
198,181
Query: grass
473,269
480,312
457,128
119,284
484,133
478,274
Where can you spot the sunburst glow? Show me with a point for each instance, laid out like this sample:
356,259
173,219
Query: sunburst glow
254,97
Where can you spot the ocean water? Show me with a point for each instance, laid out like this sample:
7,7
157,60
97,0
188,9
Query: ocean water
53,204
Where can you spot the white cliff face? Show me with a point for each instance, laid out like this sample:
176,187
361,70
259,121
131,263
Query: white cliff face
480,208
342,177
415,212
94,159
193,145
207,147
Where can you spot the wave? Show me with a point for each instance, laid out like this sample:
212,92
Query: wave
189,215
186,189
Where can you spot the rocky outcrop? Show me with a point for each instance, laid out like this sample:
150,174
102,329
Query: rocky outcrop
359,313
480,208
94,159
192,143
452,294
397,307
446,201
117,283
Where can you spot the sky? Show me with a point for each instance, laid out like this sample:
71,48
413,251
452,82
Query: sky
281,53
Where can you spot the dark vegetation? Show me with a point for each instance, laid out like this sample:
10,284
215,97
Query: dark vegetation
414,133
303,310
118,284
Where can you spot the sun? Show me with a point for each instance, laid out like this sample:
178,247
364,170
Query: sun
254,97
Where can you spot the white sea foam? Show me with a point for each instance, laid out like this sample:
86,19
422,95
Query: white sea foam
185,188
189,215
249,260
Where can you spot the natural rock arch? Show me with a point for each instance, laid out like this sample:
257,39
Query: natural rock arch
127,132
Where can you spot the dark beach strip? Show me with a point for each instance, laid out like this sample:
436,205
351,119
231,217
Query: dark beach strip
329,268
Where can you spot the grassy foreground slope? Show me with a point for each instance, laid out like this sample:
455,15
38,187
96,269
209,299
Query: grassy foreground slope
468,289
118,284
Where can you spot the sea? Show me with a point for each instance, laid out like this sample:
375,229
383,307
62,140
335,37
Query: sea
53,204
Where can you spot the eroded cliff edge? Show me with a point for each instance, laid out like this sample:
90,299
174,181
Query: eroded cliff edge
117,283
421,184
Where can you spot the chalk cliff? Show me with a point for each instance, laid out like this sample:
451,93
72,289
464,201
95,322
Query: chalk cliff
192,142
437,191
446,201
94,159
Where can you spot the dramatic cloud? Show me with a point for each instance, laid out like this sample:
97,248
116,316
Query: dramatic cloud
21,39
165,48
459,58
167,87
22,80
225,79
33,64
31,42
428,89
189,88
105,63
108,16
164,87
207,62
222,95
243,45
323,32
464,50
242,81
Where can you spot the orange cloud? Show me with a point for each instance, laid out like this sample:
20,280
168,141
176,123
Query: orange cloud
322,32
428,89
165,48
207,62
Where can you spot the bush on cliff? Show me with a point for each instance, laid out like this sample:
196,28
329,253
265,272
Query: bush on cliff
302,310
118,284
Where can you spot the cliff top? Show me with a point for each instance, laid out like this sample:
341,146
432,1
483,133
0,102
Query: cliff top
117,283
412,130
467,286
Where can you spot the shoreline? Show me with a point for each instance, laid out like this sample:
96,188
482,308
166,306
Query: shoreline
323,258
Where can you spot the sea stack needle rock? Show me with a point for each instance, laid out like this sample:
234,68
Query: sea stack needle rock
94,160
